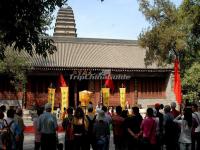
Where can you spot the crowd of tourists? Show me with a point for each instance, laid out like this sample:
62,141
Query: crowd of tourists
11,129
163,127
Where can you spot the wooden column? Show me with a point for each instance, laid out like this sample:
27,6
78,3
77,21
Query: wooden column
75,94
135,91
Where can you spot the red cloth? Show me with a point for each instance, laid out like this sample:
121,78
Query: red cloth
148,127
109,82
117,127
30,129
62,81
177,82
175,113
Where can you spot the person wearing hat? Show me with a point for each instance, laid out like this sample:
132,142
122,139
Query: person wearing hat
101,131
47,126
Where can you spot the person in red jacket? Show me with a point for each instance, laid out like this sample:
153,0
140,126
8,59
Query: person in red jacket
174,112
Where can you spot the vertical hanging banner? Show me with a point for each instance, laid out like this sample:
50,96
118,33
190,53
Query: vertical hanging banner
64,93
106,96
177,82
64,98
109,83
51,97
122,92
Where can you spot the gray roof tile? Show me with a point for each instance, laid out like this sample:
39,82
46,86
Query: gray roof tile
94,53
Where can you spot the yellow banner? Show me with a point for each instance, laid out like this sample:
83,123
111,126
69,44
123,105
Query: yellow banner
122,97
51,97
64,98
106,96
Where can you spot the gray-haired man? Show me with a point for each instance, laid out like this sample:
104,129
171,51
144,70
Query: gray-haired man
47,125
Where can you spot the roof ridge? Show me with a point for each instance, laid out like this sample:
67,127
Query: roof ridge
94,40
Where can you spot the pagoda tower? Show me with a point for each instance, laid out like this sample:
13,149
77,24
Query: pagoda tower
65,23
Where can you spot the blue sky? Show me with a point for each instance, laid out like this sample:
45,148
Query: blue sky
112,19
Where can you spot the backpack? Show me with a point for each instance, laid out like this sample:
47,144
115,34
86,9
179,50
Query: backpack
91,124
69,130
7,136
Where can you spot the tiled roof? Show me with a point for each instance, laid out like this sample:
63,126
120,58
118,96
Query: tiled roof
94,53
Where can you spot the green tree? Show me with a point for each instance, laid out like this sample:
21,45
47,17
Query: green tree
173,32
191,83
23,24
15,67
164,39
189,14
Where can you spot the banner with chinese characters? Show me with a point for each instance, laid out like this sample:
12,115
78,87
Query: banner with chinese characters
122,92
106,96
51,97
64,98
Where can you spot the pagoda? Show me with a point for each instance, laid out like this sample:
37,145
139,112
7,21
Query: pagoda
65,23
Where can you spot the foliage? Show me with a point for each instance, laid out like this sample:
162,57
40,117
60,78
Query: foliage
189,12
15,66
174,32
164,37
191,83
23,24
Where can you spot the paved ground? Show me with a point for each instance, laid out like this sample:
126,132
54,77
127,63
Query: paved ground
29,137
29,141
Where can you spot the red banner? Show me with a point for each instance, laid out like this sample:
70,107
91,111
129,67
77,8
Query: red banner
177,82
109,83
62,82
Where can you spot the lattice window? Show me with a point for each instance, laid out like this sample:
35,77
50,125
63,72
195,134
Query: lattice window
152,87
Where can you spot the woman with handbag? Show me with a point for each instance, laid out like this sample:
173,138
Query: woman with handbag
148,131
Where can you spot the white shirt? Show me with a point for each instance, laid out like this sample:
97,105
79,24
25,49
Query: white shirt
186,131
196,116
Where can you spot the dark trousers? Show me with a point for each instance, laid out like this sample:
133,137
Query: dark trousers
48,141
80,143
89,141
133,144
196,141
69,145
20,143
37,146
101,144
120,143
171,146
